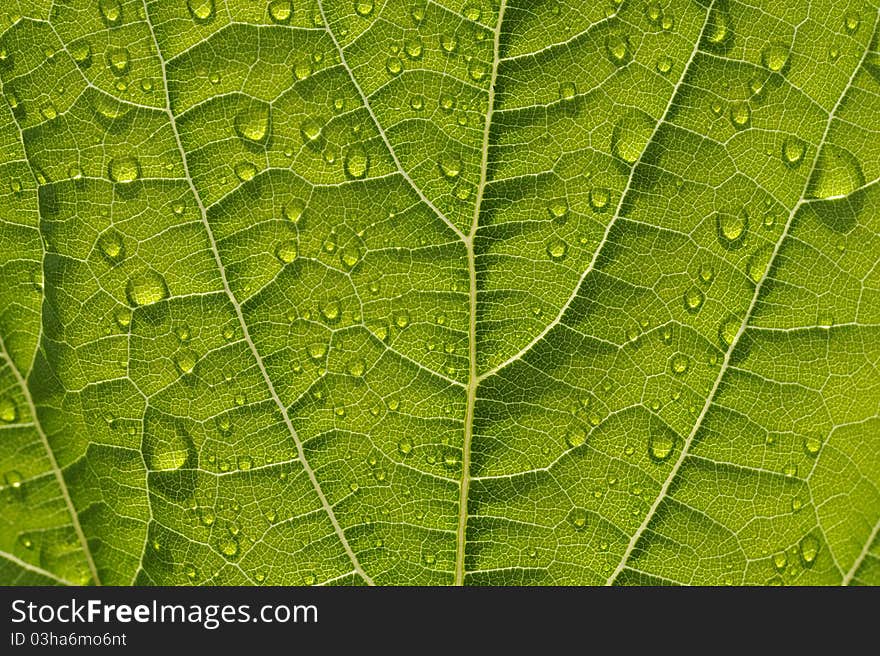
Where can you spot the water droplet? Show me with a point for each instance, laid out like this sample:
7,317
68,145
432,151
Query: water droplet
293,211
401,319
707,272
558,209
405,446
793,150
630,136
447,102
449,43
413,47
575,437
664,65
719,33
812,444
122,317
357,367
202,11
13,479
310,131
48,111
809,548
349,256
317,350
124,169
186,360
393,65
280,11
364,7
357,162
287,251
112,246
111,12
252,124
472,12
228,546
660,444
851,22
653,12
758,263
118,60
732,228
567,91
774,57
693,299
450,165
780,560
599,198
477,70
728,330
245,171
617,49
740,114
679,363
167,450
302,69
331,310
146,288
838,173
557,249
8,411
578,518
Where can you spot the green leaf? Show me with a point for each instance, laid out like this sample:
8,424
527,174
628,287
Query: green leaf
407,292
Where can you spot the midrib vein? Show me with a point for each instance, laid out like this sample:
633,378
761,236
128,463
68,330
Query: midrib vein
56,470
473,378
328,508
664,490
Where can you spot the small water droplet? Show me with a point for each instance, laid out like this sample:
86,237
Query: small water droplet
812,444
630,137
146,288
417,103
302,69
664,65
477,70
293,211
575,437
13,479
228,546
851,22
780,560
310,131
660,444
331,310
775,56
245,171
186,360
449,43
124,169
793,150
599,197
567,91
719,33
679,363
393,65
557,249
118,60
317,350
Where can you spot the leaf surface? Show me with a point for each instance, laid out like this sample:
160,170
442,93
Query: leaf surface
413,292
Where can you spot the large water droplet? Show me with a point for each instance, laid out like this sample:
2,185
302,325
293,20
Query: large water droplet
363,7
617,49
252,124
310,131
693,299
774,57
167,449
809,548
111,12
293,211
8,411
732,228
202,11
450,165
837,174
578,518
112,246
393,65
287,251
449,43
357,162
793,150
679,363
759,262
146,288
599,197
245,171
124,169
185,360
630,137
728,329
660,444
719,33
280,11
118,60
557,249
331,310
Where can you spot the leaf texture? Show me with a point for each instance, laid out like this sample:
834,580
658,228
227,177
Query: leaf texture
403,292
